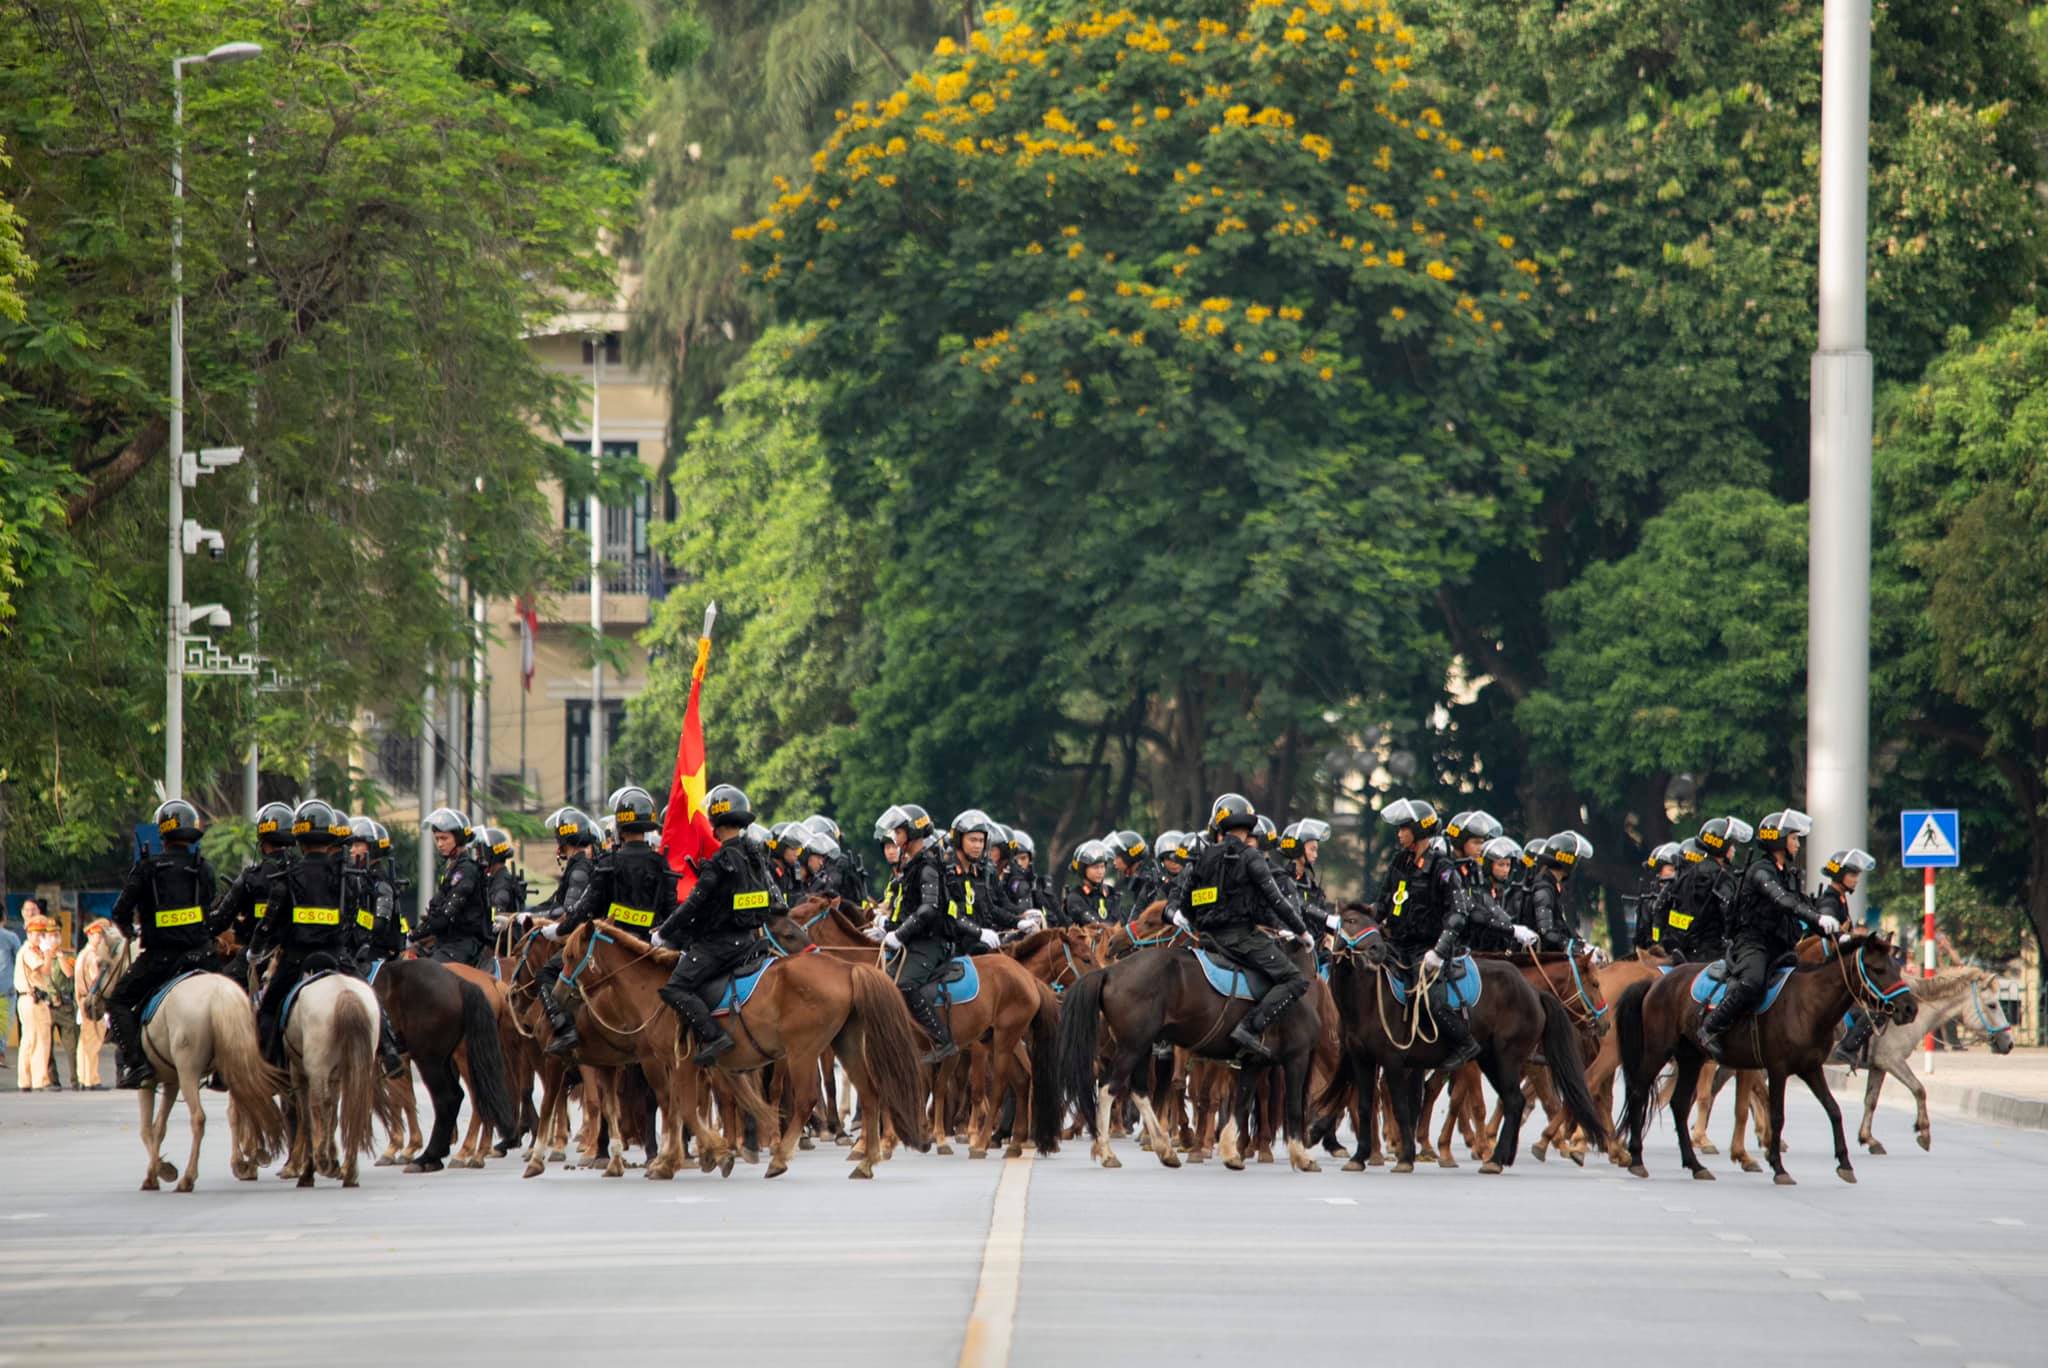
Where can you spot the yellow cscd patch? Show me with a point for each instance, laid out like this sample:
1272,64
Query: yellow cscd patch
178,916
1681,921
1202,897
366,920
316,916
632,916
746,902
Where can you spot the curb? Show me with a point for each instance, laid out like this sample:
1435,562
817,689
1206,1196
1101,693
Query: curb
1979,1104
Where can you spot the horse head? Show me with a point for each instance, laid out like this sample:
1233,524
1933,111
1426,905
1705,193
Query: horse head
1879,982
1360,934
1985,1011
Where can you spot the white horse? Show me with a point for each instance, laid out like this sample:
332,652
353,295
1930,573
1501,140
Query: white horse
336,1090
206,1025
1955,991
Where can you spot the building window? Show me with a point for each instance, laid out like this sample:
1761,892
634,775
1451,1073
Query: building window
576,748
625,549
611,350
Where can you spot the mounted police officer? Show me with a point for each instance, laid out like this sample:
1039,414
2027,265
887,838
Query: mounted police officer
1487,923
1651,900
1422,920
718,927
630,887
575,838
1771,912
164,900
1696,925
1090,900
849,874
785,847
313,918
1225,894
1300,844
1024,868
374,892
983,916
504,891
457,918
1843,871
822,863
1138,884
1550,914
924,929
247,899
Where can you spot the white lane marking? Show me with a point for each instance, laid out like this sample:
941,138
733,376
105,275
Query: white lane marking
1731,1236
1802,1274
44,1216
1340,1201
993,1322
1884,1318
1841,1294
1984,1365
2007,1221
1935,1341
1768,1254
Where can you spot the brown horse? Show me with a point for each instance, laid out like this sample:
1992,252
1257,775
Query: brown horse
436,1013
802,1003
1791,1038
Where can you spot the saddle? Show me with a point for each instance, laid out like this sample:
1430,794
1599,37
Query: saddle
156,999
1712,983
1461,978
734,988
284,1011
1231,978
959,982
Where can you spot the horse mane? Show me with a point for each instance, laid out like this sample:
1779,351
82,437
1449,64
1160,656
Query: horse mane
1024,948
665,958
839,917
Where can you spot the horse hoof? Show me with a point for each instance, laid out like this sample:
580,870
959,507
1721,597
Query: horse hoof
1354,1166
1265,1156
863,1171
1785,1180
534,1170
1637,1170
424,1166
1490,1166
1447,1162
1427,1154
1310,1167
1377,1161
1846,1174
977,1154
806,1143
843,1141
1111,1161
1234,1165
1705,1147
1876,1147
1014,1152
944,1148
384,1161
149,1184
776,1169
1541,1152
558,1157
1752,1166
305,1180
1926,1139
1403,1167
1577,1157
1703,1174
1168,1159
725,1166
166,1170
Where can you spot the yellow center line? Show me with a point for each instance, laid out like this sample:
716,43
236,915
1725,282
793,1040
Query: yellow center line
994,1318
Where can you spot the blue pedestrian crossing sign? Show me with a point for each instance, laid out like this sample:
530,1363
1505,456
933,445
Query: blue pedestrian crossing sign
1931,838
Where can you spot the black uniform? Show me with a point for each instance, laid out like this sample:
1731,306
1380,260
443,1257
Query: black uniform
717,927
1770,916
313,921
1488,927
1550,917
1146,885
164,901
1833,902
928,926
1080,907
382,927
991,908
247,900
1419,910
504,895
1653,901
1228,891
1696,911
577,873
828,882
457,917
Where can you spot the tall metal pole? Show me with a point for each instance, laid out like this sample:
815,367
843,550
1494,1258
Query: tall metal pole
174,626
423,870
596,746
1838,580
479,708
251,772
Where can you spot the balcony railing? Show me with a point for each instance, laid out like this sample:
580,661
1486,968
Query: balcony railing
627,576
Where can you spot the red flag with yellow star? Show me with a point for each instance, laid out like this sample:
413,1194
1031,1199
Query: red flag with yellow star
686,831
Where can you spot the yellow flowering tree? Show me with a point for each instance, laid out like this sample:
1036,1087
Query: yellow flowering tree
1218,287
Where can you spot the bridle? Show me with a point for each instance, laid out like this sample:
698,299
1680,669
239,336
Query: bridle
1866,991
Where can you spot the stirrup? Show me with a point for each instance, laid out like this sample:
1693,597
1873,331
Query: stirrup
566,1040
1714,1043
940,1053
136,1075
1246,1039
711,1048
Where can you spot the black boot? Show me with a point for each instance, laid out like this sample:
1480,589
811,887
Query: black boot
924,1006
712,1038
559,1021
1861,1028
388,1053
1454,1031
135,1070
1248,1035
1710,1034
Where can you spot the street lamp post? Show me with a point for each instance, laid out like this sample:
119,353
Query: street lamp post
175,616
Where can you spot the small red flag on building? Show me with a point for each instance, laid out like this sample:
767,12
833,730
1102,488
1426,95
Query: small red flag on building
686,832
529,634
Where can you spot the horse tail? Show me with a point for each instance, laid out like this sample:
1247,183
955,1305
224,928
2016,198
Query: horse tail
1046,1111
888,1048
1568,1070
253,1085
355,1035
488,1077
1628,1023
1080,1037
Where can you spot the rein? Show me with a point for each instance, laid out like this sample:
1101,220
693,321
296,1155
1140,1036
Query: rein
1872,997
590,1002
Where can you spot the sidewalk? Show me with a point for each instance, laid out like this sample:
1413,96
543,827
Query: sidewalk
2009,1090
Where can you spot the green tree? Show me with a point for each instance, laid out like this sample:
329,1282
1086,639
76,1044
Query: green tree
751,108
1668,151
1166,351
372,227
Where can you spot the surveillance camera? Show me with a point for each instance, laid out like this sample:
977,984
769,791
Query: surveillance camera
216,551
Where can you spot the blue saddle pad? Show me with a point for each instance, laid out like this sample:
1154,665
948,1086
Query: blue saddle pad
739,990
1711,985
1463,980
1230,982
156,999
284,1012
962,982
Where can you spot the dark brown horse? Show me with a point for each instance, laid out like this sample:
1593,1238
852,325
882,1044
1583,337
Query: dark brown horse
435,1013
1791,1039
1511,1021
1159,993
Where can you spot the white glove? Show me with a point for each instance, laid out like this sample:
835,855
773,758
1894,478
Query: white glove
1335,921
892,941
1432,962
1828,925
1034,920
990,939
1524,937
554,931
1599,957
657,942
1180,919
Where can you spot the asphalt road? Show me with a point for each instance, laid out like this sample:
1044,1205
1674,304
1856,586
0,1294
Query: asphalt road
1934,1258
